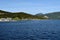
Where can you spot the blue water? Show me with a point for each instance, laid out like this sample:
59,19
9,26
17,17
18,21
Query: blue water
30,30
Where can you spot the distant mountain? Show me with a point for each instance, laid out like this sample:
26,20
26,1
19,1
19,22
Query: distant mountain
5,14
41,15
18,15
23,15
53,15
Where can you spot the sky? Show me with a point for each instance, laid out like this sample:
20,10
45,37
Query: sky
30,6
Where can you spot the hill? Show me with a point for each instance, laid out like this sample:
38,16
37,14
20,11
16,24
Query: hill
53,15
18,15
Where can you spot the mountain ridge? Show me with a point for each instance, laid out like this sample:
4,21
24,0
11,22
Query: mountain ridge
20,15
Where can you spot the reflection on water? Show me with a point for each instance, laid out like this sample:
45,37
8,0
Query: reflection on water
30,30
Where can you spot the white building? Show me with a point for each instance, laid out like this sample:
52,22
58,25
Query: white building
5,19
46,17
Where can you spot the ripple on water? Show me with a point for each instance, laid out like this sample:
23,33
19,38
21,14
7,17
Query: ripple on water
30,30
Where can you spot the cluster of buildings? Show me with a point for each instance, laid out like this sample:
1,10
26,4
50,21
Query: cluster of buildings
10,19
5,19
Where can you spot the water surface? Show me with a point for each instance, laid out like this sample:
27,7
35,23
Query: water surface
30,30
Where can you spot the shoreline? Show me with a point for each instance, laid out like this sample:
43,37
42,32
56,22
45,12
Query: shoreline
25,19
20,20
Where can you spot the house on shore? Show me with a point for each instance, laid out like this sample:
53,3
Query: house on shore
46,17
5,19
